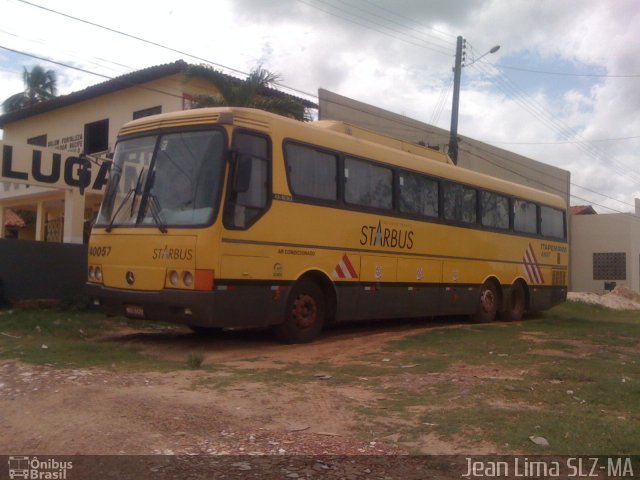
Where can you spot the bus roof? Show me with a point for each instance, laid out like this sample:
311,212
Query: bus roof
343,137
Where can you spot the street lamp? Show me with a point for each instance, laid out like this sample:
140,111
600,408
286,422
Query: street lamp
457,71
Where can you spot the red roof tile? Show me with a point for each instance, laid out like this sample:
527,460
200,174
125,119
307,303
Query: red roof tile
582,210
12,219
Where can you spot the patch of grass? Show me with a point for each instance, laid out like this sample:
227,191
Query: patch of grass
70,339
564,428
194,360
586,399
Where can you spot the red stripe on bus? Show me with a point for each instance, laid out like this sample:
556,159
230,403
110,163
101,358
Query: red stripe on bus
347,263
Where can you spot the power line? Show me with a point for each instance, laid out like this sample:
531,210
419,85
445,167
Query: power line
563,74
83,70
548,186
444,96
467,151
97,61
541,182
477,145
441,32
165,47
444,43
565,142
540,113
439,50
156,44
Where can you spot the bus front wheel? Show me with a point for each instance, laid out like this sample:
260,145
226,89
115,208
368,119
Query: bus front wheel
304,314
488,305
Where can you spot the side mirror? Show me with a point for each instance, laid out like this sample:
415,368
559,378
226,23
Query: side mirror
242,174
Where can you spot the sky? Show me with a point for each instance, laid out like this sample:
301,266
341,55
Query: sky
562,89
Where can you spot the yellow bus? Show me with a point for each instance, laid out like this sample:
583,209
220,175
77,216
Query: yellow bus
232,218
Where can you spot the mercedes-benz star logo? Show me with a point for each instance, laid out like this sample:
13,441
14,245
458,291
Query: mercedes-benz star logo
130,277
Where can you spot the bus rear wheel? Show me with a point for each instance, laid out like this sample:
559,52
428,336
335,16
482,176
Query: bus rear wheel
304,314
488,303
516,304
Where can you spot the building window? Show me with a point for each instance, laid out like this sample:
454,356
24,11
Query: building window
610,266
147,112
96,136
40,140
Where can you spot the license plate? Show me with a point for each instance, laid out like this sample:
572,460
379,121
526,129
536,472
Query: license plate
134,311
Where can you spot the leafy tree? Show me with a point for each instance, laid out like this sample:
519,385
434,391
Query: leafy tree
39,86
255,92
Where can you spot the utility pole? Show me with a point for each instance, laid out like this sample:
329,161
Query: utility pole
457,73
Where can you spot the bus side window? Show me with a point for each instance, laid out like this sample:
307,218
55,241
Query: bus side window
525,218
248,188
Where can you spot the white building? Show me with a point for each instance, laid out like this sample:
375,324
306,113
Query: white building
605,250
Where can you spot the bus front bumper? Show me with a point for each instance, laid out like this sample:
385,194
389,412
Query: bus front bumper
217,309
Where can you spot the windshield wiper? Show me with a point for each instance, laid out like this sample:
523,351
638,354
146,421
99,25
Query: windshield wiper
134,192
154,206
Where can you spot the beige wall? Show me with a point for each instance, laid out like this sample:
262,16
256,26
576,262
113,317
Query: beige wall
608,233
473,154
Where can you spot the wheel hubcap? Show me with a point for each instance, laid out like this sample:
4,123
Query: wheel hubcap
487,300
305,311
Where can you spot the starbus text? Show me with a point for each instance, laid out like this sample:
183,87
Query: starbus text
379,236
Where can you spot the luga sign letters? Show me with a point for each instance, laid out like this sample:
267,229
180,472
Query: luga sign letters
51,168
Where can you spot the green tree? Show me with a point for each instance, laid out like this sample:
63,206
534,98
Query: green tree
39,86
255,92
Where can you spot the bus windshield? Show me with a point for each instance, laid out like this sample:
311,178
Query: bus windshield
173,179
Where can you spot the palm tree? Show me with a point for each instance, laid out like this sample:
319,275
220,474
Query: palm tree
254,92
39,86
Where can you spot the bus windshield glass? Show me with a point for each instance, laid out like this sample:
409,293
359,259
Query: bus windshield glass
165,180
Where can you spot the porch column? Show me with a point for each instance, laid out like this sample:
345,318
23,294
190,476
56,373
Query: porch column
2,220
41,217
73,216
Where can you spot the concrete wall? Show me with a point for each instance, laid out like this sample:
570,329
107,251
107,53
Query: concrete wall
42,270
608,233
473,154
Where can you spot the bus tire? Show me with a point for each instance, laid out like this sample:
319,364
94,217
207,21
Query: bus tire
304,315
515,304
487,303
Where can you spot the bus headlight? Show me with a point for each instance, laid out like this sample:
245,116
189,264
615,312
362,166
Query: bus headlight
187,279
174,278
97,273
91,273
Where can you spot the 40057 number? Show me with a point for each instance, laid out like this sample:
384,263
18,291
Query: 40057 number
99,251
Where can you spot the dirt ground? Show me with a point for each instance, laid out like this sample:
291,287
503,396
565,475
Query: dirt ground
46,410
99,411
